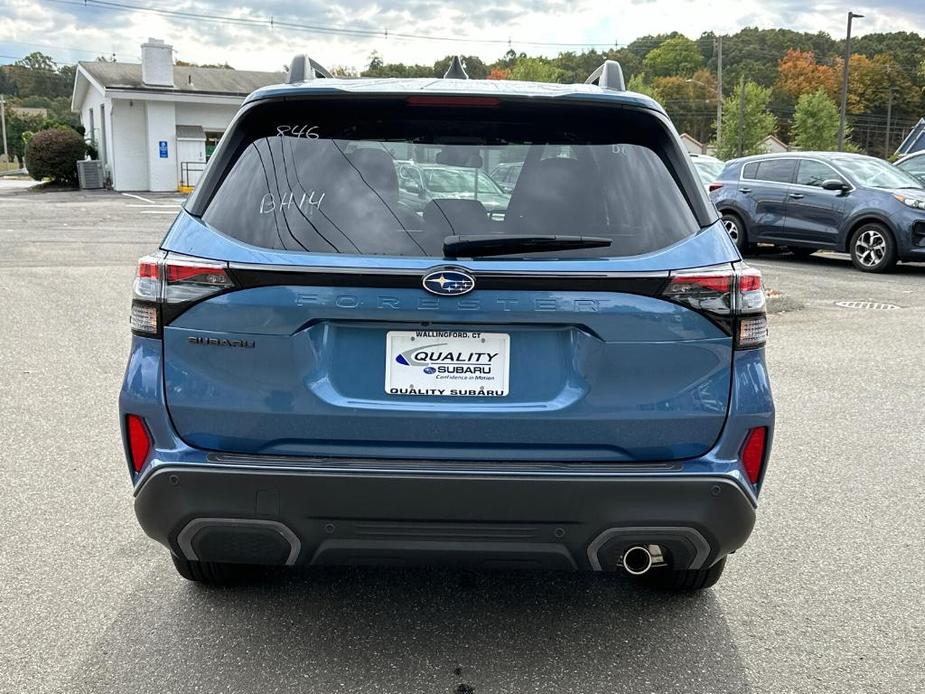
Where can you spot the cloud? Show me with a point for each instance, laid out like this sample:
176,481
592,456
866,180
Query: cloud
70,31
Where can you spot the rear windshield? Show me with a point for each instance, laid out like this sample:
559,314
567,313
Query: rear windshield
392,178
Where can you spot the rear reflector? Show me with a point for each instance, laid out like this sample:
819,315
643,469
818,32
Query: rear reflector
753,453
139,441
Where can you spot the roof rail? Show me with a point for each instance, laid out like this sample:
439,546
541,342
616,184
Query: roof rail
608,76
303,68
456,71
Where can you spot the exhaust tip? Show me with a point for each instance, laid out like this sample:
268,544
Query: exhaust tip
637,560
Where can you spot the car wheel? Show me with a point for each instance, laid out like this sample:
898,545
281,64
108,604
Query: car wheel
214,573
736,230
801,252
873,248
685,580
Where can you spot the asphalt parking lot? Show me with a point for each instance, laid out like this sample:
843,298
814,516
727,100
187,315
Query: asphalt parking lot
826,597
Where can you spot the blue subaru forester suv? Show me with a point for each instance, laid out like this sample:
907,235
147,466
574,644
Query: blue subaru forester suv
320,374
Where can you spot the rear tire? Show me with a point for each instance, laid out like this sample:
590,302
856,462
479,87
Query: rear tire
214,573
873,248
735,227
684,581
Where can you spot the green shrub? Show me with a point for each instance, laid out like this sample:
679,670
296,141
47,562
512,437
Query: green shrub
54,154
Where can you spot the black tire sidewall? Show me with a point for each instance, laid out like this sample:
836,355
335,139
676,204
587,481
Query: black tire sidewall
889,258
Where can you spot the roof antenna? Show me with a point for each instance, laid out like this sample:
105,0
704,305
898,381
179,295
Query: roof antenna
456,71
303,68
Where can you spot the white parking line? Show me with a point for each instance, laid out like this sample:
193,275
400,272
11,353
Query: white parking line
171,206
138,197
173,212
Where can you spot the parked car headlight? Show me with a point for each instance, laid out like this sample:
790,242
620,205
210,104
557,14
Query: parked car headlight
916,203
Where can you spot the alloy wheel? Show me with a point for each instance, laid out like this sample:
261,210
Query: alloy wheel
870,247
731,228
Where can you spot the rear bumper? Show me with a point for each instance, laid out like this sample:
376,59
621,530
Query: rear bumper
527,520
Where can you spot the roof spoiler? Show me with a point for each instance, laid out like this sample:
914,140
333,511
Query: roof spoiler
456,71
303,68
608,76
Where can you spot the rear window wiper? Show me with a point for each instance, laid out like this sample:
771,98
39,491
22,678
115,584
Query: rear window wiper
502,244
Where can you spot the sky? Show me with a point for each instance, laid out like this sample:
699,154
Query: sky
69,30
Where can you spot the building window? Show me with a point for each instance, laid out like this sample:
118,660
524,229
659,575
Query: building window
212,138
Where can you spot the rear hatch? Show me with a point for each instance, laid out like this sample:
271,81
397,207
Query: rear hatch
350,325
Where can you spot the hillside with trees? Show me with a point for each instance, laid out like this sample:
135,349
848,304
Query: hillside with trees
778,67
776,70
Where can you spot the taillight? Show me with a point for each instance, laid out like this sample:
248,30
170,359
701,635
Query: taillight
139,441
752,321
731,296
753,453
714,186
166,284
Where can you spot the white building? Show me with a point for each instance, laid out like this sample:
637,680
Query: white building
155,124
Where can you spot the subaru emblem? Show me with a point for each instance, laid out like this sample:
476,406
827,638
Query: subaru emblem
448,282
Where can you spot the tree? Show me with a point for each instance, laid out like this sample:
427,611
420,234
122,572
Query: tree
38,75
375,62
676,57
499,73
7,83
691,103
379,68
186,63
54,154
16,127
798,73
639,85
343,71
815,123
746,121
536,70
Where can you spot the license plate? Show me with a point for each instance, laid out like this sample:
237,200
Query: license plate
447,363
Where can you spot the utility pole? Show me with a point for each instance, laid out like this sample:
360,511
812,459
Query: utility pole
741,143
844,83
719,91
6,153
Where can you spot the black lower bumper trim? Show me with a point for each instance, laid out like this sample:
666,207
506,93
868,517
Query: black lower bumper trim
349,517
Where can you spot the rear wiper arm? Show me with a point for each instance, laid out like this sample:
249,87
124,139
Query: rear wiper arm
502,244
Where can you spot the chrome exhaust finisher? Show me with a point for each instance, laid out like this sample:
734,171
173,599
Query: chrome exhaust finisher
637,560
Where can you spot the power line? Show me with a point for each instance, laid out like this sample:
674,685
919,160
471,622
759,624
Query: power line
57,48
272,22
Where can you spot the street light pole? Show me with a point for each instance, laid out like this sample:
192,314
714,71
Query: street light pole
844,83
6,154
719,91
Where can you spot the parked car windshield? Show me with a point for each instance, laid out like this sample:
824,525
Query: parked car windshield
874,173
345,180
914,166
708,170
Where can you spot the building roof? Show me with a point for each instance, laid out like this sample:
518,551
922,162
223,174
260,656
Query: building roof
187,80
